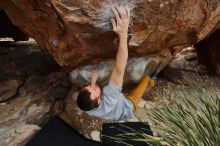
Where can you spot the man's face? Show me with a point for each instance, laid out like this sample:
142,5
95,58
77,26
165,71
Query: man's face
95,92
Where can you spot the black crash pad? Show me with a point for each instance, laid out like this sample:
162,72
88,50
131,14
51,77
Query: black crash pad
58,133
114,134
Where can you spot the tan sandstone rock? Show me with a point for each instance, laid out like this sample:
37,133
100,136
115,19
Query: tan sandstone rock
77,32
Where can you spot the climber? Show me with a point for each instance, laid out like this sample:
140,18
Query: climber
111,104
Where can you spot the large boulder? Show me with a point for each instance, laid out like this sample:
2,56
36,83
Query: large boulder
135,70
79,32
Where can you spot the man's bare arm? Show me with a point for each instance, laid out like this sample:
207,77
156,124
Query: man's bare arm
120,26
94,77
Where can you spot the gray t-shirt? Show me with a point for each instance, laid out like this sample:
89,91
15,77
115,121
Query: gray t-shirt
114,105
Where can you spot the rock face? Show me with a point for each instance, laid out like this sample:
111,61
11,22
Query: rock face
136,69
9,89
77,32
32,89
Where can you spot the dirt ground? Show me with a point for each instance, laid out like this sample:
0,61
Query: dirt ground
166,89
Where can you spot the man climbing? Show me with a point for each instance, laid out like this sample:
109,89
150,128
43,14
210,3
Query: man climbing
111,104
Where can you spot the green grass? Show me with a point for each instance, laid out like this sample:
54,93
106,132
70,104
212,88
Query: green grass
189,119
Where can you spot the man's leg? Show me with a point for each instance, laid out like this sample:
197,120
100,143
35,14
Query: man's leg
136,94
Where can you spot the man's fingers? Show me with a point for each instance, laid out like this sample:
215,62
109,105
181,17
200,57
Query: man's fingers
121,23
128,12
116,14
121,12
113,24
124,13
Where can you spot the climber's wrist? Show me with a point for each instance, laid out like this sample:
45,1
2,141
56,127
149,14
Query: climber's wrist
123,36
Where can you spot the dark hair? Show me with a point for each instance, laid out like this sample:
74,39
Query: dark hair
84,101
